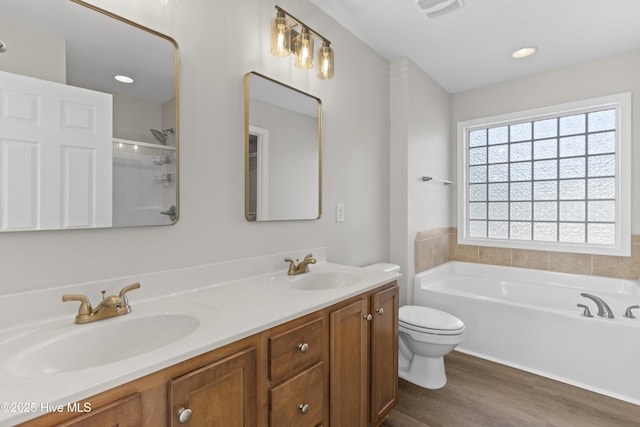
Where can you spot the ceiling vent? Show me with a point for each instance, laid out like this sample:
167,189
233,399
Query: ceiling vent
435,8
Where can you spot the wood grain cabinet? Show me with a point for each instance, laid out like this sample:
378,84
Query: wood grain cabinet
364,359
384,353
297,374
125,412
222,393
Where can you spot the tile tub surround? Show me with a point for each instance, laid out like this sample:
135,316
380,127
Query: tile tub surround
233,300
440,245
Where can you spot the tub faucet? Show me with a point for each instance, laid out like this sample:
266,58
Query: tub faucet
629,314
586,312
603,308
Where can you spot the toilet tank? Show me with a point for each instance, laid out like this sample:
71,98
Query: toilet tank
384,266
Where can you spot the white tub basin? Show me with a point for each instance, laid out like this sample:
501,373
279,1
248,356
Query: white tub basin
100,343
325,280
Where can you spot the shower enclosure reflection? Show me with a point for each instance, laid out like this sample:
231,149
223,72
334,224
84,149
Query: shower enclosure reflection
144,183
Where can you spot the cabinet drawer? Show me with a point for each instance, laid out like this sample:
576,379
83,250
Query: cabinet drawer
295,349
298,401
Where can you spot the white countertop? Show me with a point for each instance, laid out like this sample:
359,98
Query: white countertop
227,312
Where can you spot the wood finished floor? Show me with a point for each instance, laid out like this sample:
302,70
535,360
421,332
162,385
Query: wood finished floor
480,393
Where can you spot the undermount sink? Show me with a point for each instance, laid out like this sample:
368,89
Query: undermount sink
325,280
101,343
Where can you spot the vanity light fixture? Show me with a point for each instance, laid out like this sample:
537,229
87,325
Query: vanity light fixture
280,35
123,79
303,49
286,38
325,63
523,52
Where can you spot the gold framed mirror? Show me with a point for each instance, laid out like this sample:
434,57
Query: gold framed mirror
107,156
283,151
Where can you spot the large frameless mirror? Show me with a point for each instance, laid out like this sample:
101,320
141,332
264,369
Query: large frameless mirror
283,149
78,147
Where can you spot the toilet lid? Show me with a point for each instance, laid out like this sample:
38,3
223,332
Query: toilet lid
429,319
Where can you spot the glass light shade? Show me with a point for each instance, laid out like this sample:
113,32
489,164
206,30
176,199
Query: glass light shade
303,48
280,35
325,62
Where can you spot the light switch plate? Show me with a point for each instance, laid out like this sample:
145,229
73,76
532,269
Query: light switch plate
339,212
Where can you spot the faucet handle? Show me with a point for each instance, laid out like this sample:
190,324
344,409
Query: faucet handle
629,314
124,302
586,312
292,266
308,256
85,306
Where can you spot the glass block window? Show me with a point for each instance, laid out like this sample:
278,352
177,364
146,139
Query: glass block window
553,179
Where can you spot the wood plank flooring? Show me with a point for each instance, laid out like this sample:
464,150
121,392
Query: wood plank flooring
480,393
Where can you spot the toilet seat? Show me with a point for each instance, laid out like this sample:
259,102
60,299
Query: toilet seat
429,321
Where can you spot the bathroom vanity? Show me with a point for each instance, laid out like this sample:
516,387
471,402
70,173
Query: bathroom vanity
331,359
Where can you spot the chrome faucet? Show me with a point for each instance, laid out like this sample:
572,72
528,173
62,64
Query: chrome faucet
302,267
586,312
628,313
603,308
110,306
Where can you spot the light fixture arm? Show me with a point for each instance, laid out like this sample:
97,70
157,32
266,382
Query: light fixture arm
302,24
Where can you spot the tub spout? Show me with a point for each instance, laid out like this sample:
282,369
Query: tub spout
603,309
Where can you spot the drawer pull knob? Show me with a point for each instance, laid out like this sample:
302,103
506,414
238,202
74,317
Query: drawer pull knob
303,347
380,311
304,408
368,317
184,414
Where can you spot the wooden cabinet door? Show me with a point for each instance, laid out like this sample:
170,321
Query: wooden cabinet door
349,365
299,401
384,353
125,412
220,394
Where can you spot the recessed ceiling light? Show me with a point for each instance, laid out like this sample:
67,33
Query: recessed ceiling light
123,79
523,52
435,8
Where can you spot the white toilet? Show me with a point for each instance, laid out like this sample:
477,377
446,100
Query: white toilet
426,335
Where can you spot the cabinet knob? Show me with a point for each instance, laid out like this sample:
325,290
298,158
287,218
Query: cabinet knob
304,408
380,311
184,414
303,347
368,317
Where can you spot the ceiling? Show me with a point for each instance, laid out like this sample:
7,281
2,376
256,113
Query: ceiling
471,47
99,47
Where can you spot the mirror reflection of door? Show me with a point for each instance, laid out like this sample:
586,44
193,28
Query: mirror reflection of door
258,162
283,148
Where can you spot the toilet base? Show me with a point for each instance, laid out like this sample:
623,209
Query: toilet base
427,372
